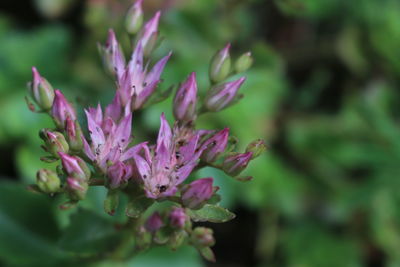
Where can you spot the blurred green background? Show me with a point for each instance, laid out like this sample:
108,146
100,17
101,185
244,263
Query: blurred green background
323,93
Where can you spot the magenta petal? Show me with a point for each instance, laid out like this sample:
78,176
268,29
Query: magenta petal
114,109
155,73
133,151
123,132
95,131
164,134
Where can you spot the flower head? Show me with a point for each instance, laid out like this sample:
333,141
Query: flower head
170,164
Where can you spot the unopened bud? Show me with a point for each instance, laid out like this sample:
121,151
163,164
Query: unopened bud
112,55
244,62
176,239
142,238
220,65
257,147
215,145
236,163
185,100
221,96
154,222
134,18
118,174
55,142
61,109
74,134
41,90
202,237
47,181
76,188
75,166
177,217
195,194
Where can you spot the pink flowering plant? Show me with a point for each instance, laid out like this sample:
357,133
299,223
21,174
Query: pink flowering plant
103,151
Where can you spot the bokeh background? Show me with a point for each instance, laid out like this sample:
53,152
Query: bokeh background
323,93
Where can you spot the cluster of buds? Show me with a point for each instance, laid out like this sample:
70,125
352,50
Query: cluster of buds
147,173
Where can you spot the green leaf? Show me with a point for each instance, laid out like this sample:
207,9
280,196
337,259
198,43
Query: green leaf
28,229
211,213
89,233
137,206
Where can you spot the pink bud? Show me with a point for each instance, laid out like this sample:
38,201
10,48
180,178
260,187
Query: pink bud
154,222
118,173
236,163
61,110
177,217
41,90
185,100
223,95
215,145
76,188
197,193
74,166
113,57
74,134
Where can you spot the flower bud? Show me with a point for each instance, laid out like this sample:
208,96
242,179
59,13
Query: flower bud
236,163
154,222
76,188
47,181
220,66
221,96
41,90
202,237
149,34
75,166
177,217
257,147
61,110
185,100
74,134
195,194
112,55
134,18
176,239
142,238
215,145
55,142
118,173
244,62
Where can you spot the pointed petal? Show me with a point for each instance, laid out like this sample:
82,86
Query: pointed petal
155,73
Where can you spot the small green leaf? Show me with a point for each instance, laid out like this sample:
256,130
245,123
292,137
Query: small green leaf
137,206
211,213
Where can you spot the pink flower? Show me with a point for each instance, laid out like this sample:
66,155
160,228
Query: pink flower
136,84
170,163
109,137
